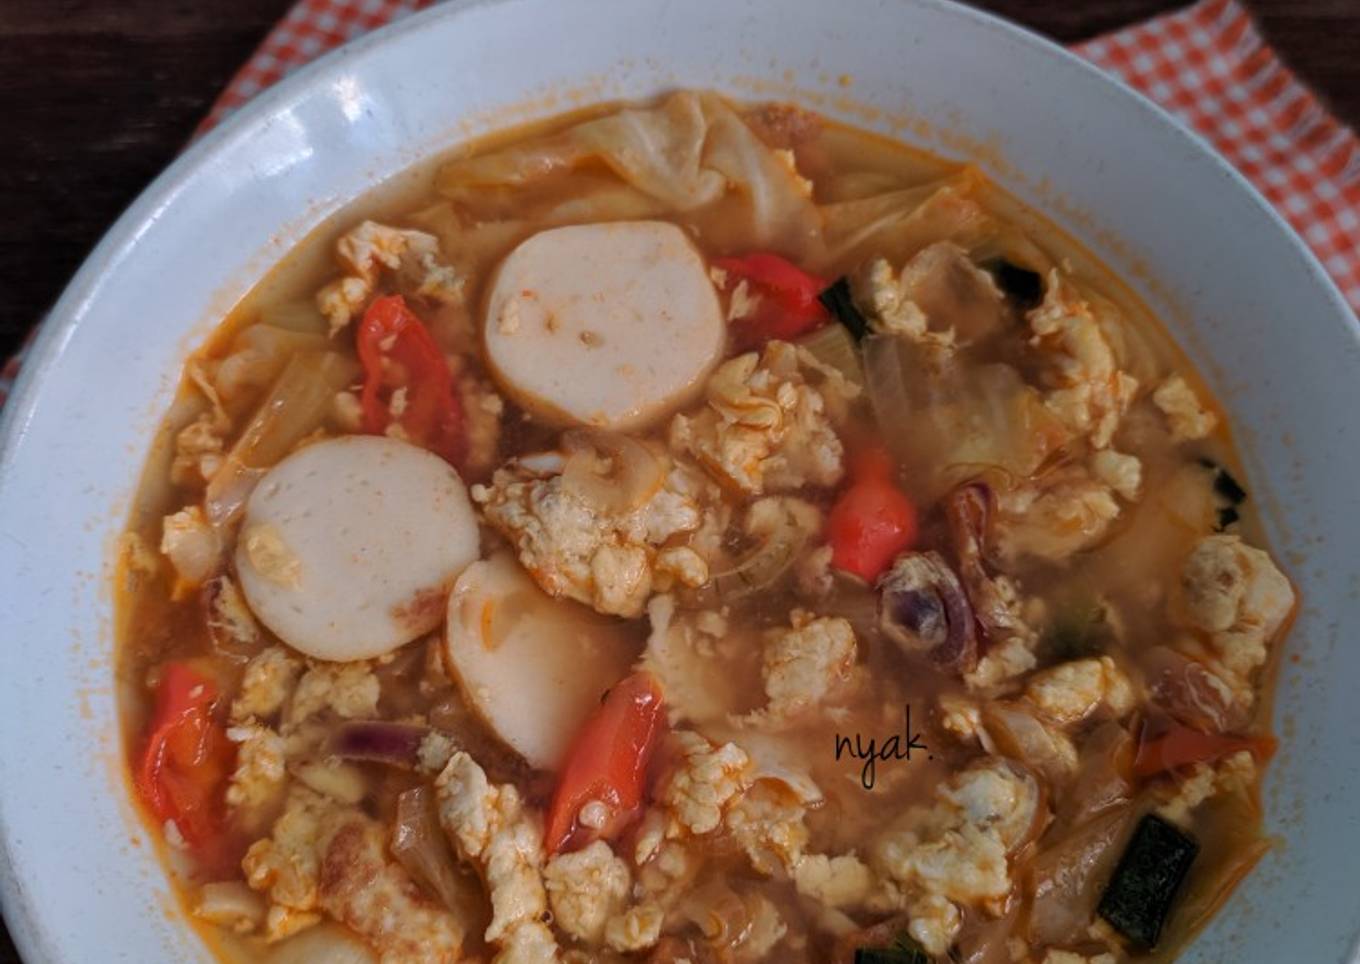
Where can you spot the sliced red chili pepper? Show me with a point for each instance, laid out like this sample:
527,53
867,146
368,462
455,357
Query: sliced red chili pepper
607,765
785,297
187,758
407,380
872,521
1179,746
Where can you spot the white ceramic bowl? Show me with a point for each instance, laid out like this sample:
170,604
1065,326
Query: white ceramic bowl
81,883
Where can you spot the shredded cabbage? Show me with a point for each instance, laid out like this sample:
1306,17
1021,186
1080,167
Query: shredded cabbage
688,152
298,404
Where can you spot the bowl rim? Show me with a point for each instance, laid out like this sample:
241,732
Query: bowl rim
24,920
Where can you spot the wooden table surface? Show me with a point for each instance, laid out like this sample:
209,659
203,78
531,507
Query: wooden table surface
99,95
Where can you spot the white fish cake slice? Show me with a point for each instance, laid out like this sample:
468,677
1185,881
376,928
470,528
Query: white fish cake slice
349,547
532,667
611,325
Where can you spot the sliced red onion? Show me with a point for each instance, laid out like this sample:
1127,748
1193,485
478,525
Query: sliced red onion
969,510
922,607
379,741
1191,693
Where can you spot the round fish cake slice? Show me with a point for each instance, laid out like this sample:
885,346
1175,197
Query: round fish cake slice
349,547
610,325
533,667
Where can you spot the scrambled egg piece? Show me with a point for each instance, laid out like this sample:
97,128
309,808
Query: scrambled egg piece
1121,472
882,297
636,929
665,873
996,798
763,427
934,921
706,781
323,857
665,869
279,684
742,301
271,556
803,664
199,450
838,882
192,545
680,565
435,751
586,889
961,716
528,945
267,683
772,514
955,853
286,866
962,863
374,897
347,411
200,445
365,251
1054,956
576,548
490,828
939,296
1053,518
350,690
260,773
767,820
1233,773
1012,658
1070,692
936,858
230,904
228,615
1185,414
1234,595
1087,391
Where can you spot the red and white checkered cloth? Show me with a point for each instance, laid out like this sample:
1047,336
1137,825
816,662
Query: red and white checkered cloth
1207,64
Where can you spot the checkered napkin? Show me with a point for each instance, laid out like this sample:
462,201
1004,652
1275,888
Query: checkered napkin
1207,64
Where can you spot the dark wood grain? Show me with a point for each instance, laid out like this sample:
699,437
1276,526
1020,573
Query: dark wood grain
98,95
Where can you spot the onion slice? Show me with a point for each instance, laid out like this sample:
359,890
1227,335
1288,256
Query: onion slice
420,846
969,510
758,569
379,741
297,404
1069,876
834,347
609,470
924,609
326,943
